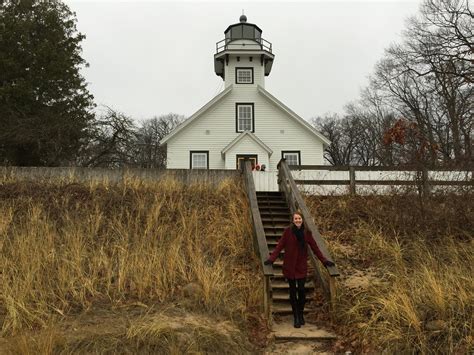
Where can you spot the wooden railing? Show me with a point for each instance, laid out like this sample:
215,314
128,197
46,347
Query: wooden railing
325,276
260,241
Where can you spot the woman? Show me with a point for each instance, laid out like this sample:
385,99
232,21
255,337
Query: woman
295,266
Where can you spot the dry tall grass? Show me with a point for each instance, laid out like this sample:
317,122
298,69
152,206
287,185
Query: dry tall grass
419,261
67,248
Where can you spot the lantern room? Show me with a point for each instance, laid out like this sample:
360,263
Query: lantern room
241,41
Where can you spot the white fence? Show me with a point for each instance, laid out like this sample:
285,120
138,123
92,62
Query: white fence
265,180
337,182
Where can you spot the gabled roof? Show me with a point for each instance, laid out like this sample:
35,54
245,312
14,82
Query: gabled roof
198,113
252,136
292,114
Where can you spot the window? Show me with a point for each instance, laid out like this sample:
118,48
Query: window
292,157
199,160
248,32
236,32
244,117
244,75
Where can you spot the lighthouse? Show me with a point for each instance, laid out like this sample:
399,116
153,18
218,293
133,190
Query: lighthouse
244,121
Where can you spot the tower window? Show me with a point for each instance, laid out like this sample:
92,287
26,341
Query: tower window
244,75
292,157
244,117
199,159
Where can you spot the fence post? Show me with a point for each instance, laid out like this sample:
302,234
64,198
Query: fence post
424,179
352,182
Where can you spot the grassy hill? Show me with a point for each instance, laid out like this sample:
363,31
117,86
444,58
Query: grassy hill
159,267
131,267
407,266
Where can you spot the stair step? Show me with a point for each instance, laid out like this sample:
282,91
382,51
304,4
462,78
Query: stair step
284,330
280,294
273,236
270,203
270,193
274,219
264,212
275,225
278,208
278,263
283,223
282,308
272,212
277,201
273,233
279,284
270,196
277,229
271,248
263,200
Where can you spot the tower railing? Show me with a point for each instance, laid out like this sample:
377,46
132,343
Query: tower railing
223,45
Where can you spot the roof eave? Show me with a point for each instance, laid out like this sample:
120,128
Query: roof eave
198,113
241,136
326,142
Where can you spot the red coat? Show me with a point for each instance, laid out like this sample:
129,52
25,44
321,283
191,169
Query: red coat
295,260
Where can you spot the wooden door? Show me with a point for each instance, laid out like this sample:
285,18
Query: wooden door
240,158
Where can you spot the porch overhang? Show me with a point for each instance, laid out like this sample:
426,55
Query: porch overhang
241,136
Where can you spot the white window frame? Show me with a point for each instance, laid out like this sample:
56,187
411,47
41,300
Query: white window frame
241,125
241,80
200,154
292,153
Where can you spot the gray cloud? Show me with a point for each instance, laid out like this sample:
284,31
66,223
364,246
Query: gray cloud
150,58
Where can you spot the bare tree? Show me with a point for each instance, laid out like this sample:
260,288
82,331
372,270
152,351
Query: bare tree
340,152
112,141
419,104
152,131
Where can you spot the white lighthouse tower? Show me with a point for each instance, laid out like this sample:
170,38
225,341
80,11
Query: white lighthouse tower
243,56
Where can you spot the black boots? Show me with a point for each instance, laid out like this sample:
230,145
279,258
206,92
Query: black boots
296,315
301,312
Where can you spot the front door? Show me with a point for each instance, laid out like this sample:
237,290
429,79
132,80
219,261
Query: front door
240,158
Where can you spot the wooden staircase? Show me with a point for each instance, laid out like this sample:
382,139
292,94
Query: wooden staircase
276,216
270,213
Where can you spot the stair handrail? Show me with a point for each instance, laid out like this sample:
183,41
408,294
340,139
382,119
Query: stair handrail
259,239
296,202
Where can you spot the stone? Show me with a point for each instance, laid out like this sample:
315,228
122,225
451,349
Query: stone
435,325
192,290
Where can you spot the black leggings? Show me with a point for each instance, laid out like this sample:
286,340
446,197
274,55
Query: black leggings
297,291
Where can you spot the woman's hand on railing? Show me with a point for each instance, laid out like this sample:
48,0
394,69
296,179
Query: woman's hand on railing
328,263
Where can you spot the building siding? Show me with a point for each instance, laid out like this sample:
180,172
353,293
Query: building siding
258,70
245,146
219,122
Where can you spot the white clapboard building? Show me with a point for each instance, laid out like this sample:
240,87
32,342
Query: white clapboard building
244,121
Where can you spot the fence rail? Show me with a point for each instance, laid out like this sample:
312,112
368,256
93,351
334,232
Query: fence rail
353,176
77,174
370,168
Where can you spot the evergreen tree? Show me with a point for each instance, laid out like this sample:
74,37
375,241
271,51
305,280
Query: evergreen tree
45,107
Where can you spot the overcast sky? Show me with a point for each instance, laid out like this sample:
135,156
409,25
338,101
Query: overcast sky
150,58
